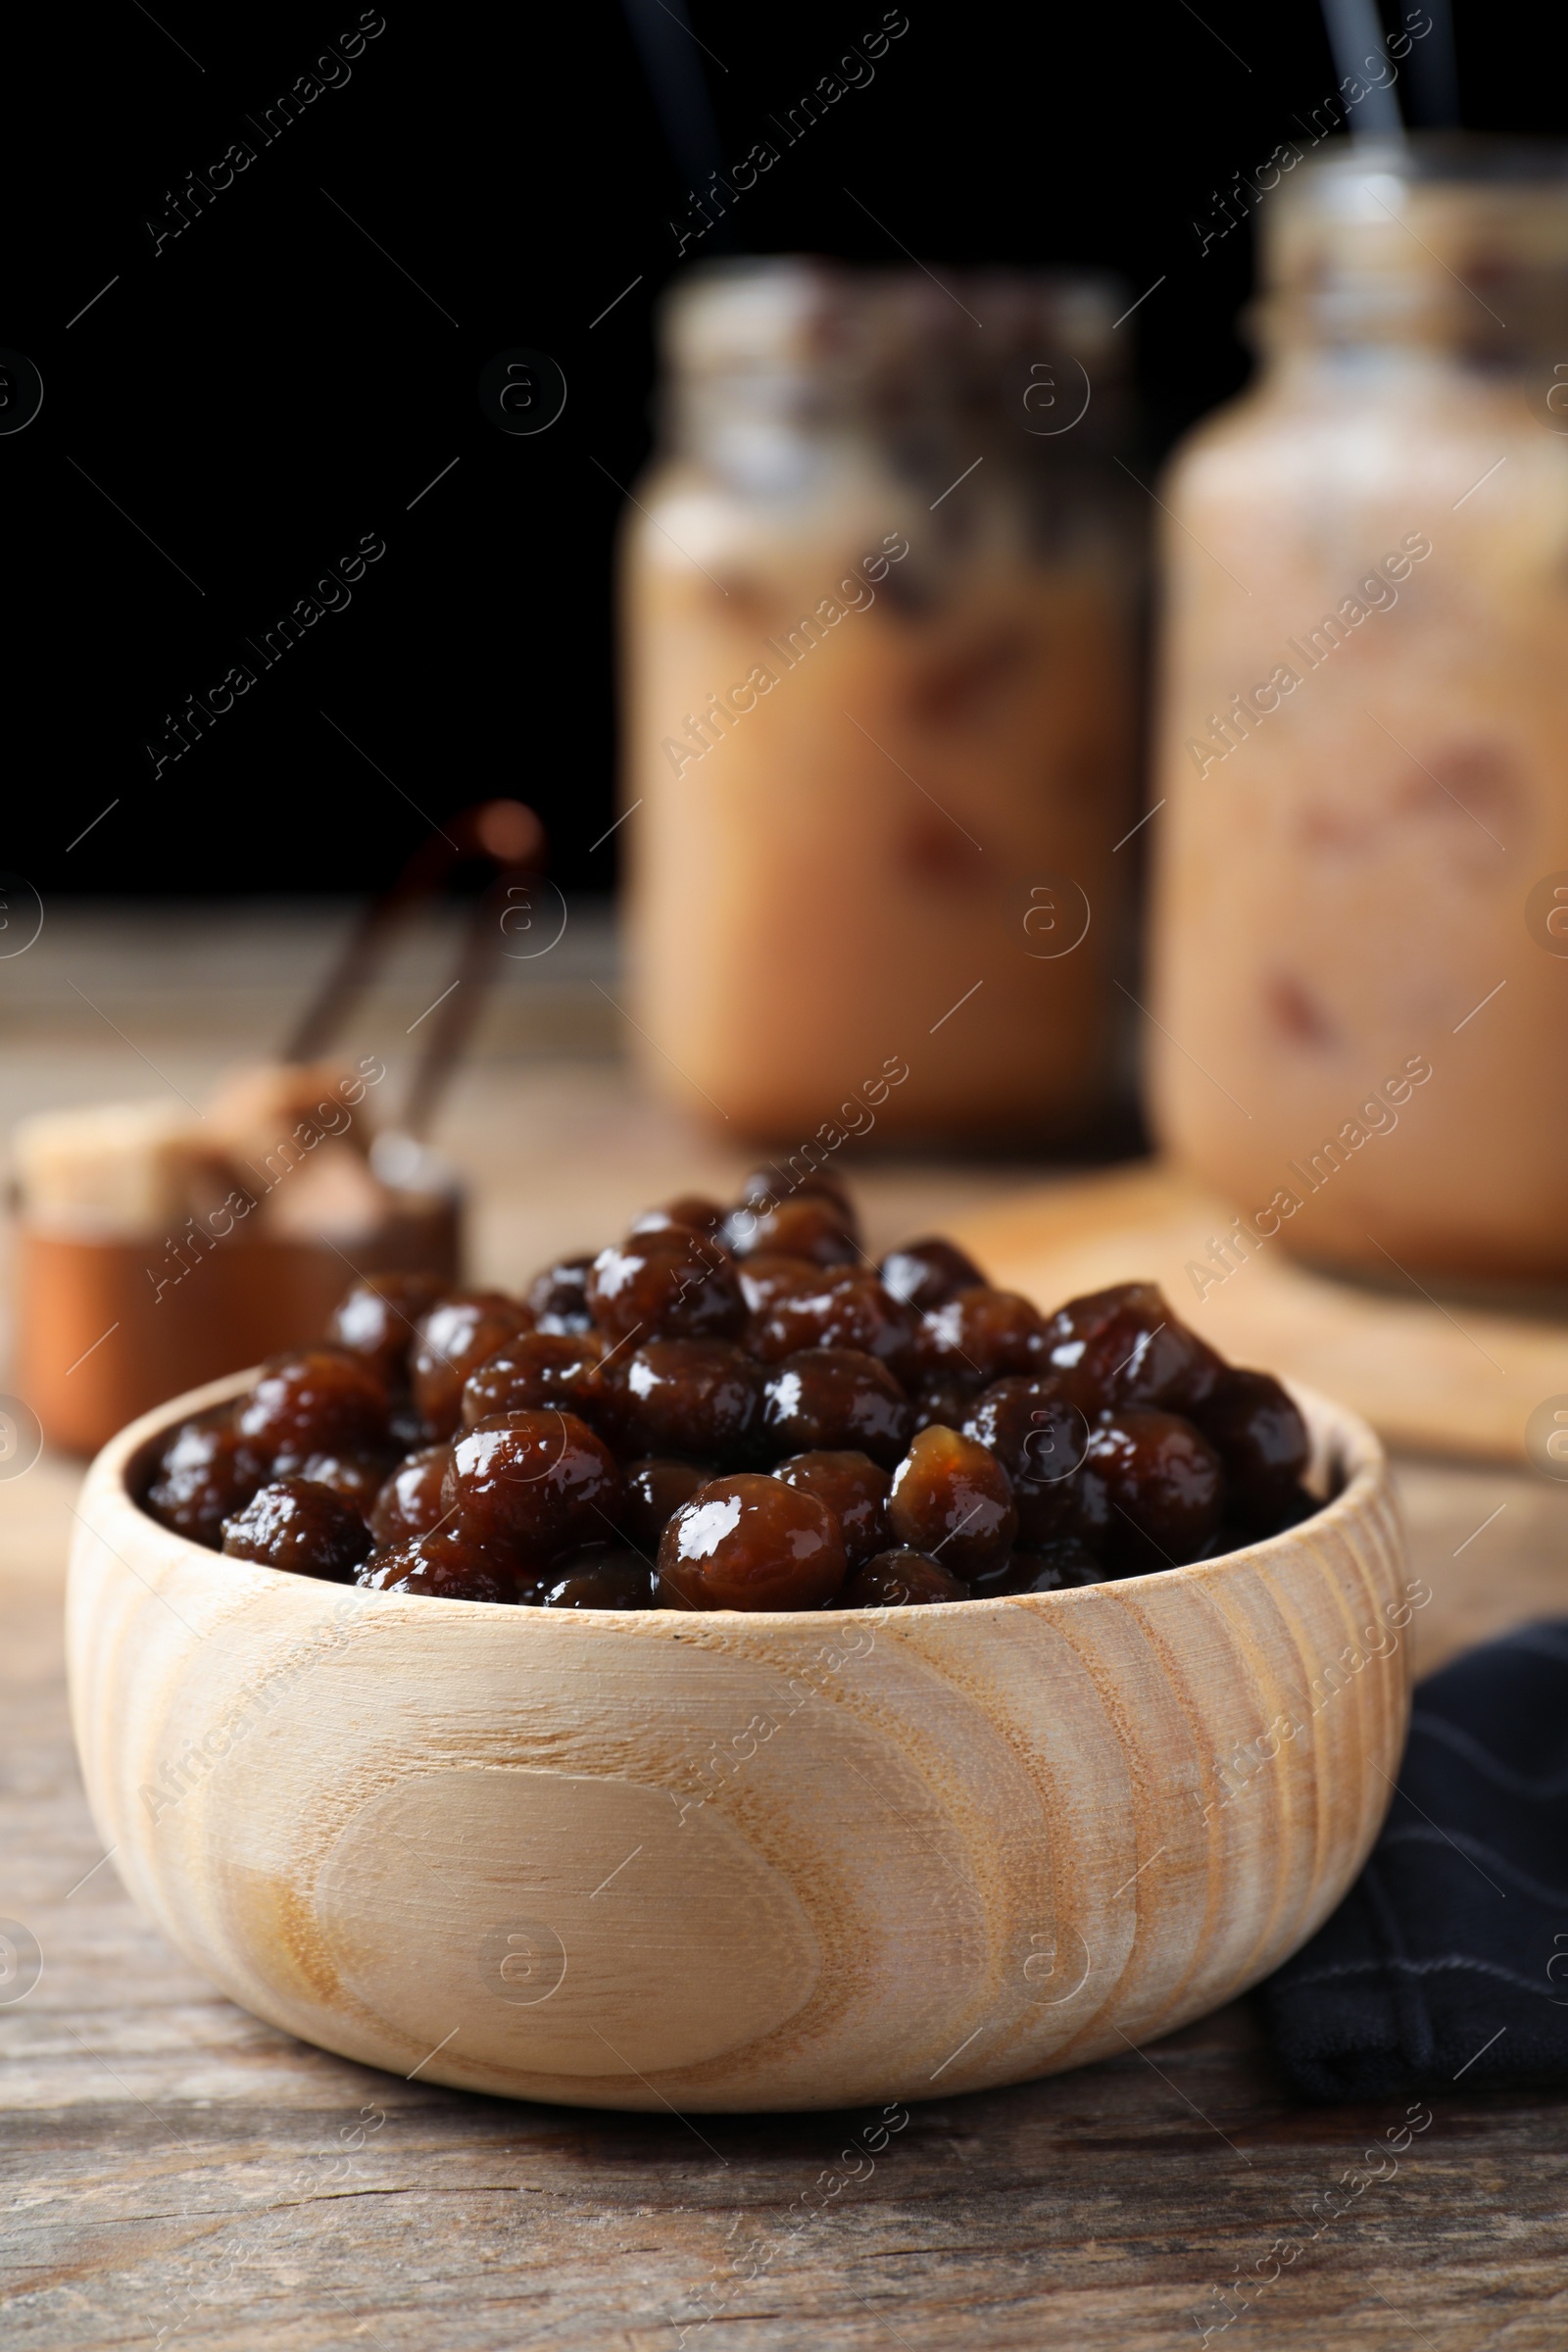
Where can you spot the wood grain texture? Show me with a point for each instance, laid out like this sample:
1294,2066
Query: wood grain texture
1455,1377
728,1862
171,2163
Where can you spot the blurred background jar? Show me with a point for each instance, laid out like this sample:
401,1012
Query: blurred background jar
1363,740
880,602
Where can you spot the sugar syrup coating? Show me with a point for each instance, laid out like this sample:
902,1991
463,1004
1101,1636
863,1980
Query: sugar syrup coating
1053,1568
673,1285
928,1273
854,1489
832,1399
613,1579
692,1212
1261,1438
313,1400
953,1499
766,1187
751,1543
768,1275
846,1309
453,1339
702,1396
375,1320
356,1478
1125,1345
944,1399
204,1475
528,1484
1041,1437
900,1579
558,1295
536,1370
449,1565
981,1334
410,1502
810,1224
300,1527
655,1490
1152,1487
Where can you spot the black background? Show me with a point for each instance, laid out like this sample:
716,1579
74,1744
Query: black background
270,385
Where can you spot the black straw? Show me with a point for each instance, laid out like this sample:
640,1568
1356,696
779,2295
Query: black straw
1357,39
669,49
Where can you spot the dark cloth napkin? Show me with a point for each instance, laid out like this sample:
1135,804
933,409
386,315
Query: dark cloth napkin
1448,1961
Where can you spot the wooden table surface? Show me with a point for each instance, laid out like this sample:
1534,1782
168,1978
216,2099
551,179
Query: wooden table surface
179,2171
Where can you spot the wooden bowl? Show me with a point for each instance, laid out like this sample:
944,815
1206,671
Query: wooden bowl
652,1860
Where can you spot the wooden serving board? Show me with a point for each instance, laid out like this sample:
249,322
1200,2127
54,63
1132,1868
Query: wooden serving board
1431,1375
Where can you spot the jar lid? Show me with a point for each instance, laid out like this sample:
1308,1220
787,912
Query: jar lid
868,331
1441,234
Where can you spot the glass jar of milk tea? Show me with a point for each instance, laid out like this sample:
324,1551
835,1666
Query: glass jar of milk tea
880,707
1362,1003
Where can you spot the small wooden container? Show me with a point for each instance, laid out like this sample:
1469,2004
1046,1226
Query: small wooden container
652,1860
100,1340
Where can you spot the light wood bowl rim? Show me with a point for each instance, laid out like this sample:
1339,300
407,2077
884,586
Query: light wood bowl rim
1339,1437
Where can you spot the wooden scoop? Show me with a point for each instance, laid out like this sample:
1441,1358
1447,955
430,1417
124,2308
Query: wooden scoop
108,1325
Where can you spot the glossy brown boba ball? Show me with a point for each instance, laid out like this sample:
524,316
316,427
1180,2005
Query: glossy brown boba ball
768,1276
855,1490
1041,1437
375,1318
1152,1488
846,1309
695,1397
314,1400
1032,1426
600,1579
945,1399
951,1499
300,1527
1125,1347
536,1370
527,1485
926,1274
815,1225
901,1579
832,1399
453,1339
691,1213
558,1297
355,1478
445,1566
205,1473
1051,1569
410,1502
655,1490
765,1187
981,1334
675,1285
1261,1438
751,1543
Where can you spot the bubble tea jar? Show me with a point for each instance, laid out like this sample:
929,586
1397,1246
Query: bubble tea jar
1362,1001
879,610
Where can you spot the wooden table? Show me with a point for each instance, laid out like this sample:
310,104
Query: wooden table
179,2172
